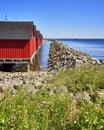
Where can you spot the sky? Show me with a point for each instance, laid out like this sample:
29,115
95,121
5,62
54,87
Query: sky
58,18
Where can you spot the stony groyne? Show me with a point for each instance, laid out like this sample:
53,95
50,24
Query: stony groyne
62,56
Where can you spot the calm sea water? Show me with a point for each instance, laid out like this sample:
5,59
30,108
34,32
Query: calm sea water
93,47
44,54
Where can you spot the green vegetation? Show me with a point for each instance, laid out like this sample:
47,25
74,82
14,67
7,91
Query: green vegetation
88,78
20,110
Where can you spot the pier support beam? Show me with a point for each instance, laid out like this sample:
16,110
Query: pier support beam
28,67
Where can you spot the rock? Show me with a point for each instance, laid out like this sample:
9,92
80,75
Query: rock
1,79
95,61
17,85
80,62
59,90
82,96
62,90
101,61
1,89
37,84
98,62
100,93
32,90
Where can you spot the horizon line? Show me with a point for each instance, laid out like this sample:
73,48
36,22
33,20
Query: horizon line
75,38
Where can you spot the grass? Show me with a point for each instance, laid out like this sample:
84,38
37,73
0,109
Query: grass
21,110
87,78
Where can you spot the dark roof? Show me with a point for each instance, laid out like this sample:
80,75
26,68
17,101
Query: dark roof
39,35
16,30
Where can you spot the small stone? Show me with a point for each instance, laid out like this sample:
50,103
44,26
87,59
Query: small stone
1,89
61,89
38,84
101,61
17,86
82,96
100,93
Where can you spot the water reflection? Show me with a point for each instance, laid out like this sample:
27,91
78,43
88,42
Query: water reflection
43,55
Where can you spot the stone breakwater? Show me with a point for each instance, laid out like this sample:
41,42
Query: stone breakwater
62,56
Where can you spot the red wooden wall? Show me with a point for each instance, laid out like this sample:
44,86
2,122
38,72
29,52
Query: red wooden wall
17,48
39,39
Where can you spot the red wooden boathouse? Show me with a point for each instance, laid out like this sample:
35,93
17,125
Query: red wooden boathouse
39,39
18,41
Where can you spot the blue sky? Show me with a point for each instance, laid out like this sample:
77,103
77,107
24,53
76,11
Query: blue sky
58,18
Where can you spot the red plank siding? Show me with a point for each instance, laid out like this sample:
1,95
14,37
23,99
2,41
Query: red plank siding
17,48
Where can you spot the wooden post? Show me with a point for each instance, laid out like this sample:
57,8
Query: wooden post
28,67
